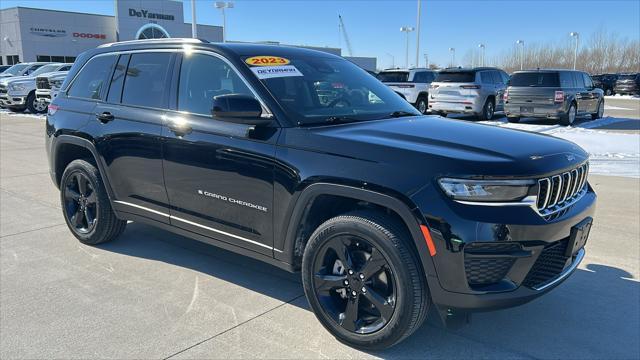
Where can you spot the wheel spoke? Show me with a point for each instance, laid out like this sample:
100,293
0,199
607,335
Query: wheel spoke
383,306
88,218
325,283
71,194
82,184
342,251
91,198
374,264
76,219
349,319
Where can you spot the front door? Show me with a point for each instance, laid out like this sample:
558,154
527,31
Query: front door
218,175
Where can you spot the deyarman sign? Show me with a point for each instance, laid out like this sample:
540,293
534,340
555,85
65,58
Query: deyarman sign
149,15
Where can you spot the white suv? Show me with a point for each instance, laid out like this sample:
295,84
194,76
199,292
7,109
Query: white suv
412,85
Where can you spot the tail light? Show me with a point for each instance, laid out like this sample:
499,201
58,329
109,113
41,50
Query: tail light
505,96
51,109
470,86
434,86
559,97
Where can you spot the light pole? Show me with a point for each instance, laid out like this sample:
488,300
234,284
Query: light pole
521,42
194,27
481,46
426,60
393,60
407,29
575,52
453,56
418,36
224,5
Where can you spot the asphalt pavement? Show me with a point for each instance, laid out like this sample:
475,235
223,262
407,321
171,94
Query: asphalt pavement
153,294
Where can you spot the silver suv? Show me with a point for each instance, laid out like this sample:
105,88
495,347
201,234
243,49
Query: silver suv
475,91
411,84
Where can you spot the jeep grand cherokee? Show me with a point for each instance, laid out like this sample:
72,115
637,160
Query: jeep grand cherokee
384,211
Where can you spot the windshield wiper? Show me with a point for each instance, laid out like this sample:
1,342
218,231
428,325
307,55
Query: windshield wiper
340,119
401,113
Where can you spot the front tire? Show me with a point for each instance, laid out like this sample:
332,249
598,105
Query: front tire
85,205
363,281
34,106
599,112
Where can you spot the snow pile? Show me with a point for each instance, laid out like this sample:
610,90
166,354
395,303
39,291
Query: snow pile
633,97
8,112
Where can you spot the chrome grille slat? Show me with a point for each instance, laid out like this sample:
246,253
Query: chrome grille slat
559,191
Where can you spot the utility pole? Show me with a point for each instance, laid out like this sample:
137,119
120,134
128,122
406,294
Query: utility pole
426,60
575,52
224,5
521,43
194,26
418,36
453,56
407,29
481,46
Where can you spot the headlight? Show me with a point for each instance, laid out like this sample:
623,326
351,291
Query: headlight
56,83
17,87
486,190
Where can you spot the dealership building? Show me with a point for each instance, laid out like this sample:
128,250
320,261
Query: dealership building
30,34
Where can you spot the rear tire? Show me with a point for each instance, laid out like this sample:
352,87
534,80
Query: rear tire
488,110
422,104
85,205
397,300
513,119
570,117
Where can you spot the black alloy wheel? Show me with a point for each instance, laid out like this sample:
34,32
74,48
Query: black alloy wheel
354,284
80,203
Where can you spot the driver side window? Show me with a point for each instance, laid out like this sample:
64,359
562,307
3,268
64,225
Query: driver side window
202,77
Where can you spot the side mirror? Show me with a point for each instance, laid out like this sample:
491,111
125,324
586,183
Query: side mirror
239,109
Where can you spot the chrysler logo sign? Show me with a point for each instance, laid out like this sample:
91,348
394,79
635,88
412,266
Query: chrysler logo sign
149,15
48,32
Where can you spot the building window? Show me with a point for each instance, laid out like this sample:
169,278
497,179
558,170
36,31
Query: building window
43,58
12,59
152,31
70,59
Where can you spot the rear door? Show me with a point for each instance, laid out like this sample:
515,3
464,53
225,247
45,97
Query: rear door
500,86
583,96
218,175
130,125
593,94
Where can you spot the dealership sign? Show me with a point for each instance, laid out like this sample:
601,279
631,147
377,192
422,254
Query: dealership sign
89,35
48,32
149,15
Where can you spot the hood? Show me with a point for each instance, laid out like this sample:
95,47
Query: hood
444,147
21,79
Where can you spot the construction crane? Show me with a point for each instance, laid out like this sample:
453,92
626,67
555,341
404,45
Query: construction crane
343,30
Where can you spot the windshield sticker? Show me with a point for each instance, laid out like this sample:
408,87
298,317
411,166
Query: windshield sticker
276,71
267,61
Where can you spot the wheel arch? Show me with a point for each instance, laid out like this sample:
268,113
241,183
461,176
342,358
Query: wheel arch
301,225
68,148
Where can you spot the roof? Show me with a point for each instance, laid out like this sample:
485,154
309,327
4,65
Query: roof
544,70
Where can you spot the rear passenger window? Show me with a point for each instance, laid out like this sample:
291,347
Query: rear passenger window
91,80
579,80
146,80
201,78
486,78
587,80
117,80
566,80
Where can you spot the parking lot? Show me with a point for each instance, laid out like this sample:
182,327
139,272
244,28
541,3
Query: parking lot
152,294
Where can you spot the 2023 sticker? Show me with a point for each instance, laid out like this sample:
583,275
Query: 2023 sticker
267,61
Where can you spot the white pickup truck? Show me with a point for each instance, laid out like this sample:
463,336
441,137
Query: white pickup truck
48,86
18,93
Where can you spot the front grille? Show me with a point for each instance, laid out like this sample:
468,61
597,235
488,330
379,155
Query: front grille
481,268
559,191
549,264
42,83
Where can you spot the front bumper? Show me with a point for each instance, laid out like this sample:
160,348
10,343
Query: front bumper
44,95
626,89
504,257
7,99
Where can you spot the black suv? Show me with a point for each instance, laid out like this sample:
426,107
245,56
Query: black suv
552,94
303,160
606,82
628,84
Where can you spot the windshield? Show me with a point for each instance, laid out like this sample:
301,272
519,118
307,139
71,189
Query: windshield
319,89
535,79
395,76
45,69
15,69
456,76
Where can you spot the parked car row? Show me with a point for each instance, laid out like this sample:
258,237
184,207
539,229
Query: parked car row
563,95
18,85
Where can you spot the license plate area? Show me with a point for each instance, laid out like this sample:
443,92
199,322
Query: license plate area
579,236
526,109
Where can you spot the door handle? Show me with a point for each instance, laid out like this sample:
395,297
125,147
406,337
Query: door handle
105,117
180,128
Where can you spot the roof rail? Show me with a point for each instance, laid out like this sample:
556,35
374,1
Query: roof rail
157,41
